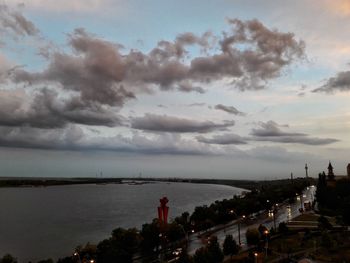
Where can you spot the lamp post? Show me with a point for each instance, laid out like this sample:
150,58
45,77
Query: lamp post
76,254
239,225
274,212
256,257
266,232
186,234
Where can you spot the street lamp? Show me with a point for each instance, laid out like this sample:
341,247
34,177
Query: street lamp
266,232
239,225
76,254
274,212
256,257
185,233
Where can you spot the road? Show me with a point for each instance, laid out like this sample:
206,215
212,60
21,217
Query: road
285,213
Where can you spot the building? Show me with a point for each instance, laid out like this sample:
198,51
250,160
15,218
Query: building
348,169
330,171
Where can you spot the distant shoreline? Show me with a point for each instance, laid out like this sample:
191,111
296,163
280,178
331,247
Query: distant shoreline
46,181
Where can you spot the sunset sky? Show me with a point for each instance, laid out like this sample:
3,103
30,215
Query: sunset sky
214,89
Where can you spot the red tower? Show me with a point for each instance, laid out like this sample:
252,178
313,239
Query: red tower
163,210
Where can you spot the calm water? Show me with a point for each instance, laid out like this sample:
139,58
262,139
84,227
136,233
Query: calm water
43,222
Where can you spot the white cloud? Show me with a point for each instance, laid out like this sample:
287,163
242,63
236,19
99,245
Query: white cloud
67,5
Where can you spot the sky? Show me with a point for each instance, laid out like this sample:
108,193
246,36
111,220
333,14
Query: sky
240,89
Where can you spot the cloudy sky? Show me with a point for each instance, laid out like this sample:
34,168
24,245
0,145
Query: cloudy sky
215,89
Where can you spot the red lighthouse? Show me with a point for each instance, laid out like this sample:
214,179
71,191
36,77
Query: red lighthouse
163,210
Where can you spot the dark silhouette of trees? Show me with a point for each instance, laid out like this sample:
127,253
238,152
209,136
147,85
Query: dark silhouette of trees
252,236
46,261
184,258
120,247
283,228
150,234
334,198
230,246
212,253
8,259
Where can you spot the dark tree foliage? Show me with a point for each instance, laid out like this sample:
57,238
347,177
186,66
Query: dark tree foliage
184,220
46,261
184,258
262,230
323,223
8,259
253,236
174,232
230,246
67,260
119,248
86,253
283,228
334,198
212,253
201,256
150,237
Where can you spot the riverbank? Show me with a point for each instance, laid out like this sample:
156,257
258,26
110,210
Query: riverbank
47,181
42,181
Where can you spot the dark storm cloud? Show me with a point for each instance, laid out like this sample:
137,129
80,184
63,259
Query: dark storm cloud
14,23
298,139
197,104
164,123
271,128
341,82
224,139
187,87
95,72
27,137
72,138
271,132
47,111
228,109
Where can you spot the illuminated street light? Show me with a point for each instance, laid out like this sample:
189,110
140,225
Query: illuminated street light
266,232
76,254
239,225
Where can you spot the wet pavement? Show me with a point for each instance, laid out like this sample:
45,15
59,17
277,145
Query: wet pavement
285,213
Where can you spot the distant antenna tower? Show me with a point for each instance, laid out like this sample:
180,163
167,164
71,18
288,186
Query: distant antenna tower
306,171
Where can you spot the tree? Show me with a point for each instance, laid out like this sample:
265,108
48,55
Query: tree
201,256
252,236
230,246
150,237
46,261
323,223
212,253
8,259
184,258
283,228
119,248
327,241
174,232
262,229
67,260
215,254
